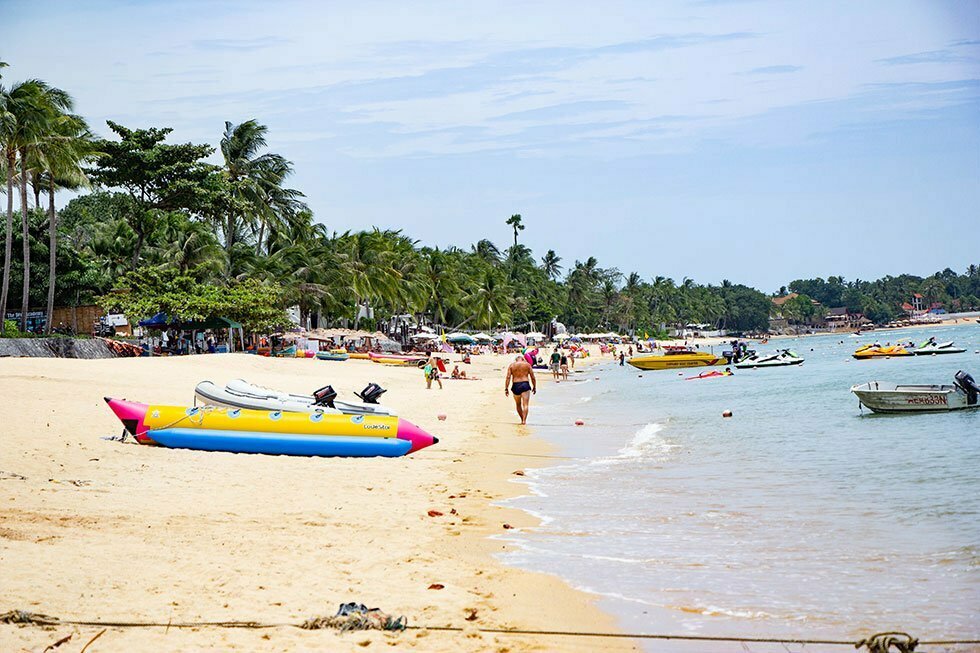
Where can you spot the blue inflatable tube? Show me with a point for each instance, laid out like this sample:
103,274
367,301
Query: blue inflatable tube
279,444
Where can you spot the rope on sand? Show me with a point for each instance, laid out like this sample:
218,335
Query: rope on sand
877,643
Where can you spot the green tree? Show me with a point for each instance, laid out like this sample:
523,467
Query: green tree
157,176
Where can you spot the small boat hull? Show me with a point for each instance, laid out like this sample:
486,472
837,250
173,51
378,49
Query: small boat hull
331,356
241,394
893,398
671,362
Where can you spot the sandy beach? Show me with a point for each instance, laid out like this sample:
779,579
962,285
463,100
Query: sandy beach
101,530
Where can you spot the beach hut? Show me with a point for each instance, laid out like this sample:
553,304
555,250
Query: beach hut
162,321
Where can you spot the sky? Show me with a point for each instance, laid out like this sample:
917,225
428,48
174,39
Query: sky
749,140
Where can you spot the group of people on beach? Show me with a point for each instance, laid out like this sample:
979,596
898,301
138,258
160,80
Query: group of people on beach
558,364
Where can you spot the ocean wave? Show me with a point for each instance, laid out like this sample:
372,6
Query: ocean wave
647,441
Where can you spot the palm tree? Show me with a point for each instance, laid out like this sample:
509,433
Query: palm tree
60,156
515,222
487,251
490,301
29,111
256,182
551,264
632,283
8,130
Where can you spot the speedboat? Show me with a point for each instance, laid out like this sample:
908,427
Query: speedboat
242,394
883,397
926,349
781,358
674,357
877,351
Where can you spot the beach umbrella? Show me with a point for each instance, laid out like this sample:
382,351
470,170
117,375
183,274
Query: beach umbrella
425,336
482,337
536,335
460,338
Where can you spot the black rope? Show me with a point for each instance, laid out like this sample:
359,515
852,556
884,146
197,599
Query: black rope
878,643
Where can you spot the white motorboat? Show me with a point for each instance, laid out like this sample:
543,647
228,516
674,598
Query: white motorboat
882,397
937,348
781,358
242,394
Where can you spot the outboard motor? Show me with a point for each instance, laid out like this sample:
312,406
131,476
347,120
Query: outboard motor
969,386
324,396
371,393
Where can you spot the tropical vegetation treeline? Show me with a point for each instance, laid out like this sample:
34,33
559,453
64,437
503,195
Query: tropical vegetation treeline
199,231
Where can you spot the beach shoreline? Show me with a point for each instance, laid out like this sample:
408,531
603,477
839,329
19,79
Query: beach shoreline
103,531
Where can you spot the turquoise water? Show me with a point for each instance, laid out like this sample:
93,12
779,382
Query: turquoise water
800,516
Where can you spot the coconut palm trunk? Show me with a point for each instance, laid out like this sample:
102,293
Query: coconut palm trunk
9,238
25,224
52,254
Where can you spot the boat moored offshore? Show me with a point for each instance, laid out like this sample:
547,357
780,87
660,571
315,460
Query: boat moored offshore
676,357
884,397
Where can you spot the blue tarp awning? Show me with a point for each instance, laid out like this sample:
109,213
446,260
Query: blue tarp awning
163,321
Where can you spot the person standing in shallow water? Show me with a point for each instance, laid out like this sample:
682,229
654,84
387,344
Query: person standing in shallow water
520,380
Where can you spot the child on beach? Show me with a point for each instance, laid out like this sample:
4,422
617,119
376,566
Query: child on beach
431,370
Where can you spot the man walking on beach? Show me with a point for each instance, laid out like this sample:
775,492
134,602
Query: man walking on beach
520,380
555,364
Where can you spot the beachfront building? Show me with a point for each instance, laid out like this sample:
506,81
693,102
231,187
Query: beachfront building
785,311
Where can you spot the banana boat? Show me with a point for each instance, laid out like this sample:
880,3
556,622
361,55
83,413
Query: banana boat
237,430
397,359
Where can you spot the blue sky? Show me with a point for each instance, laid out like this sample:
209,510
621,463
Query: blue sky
748,140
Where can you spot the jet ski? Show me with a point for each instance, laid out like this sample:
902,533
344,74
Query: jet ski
877,351
928,348
781,358
242,394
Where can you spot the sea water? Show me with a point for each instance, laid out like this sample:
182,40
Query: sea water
802,516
